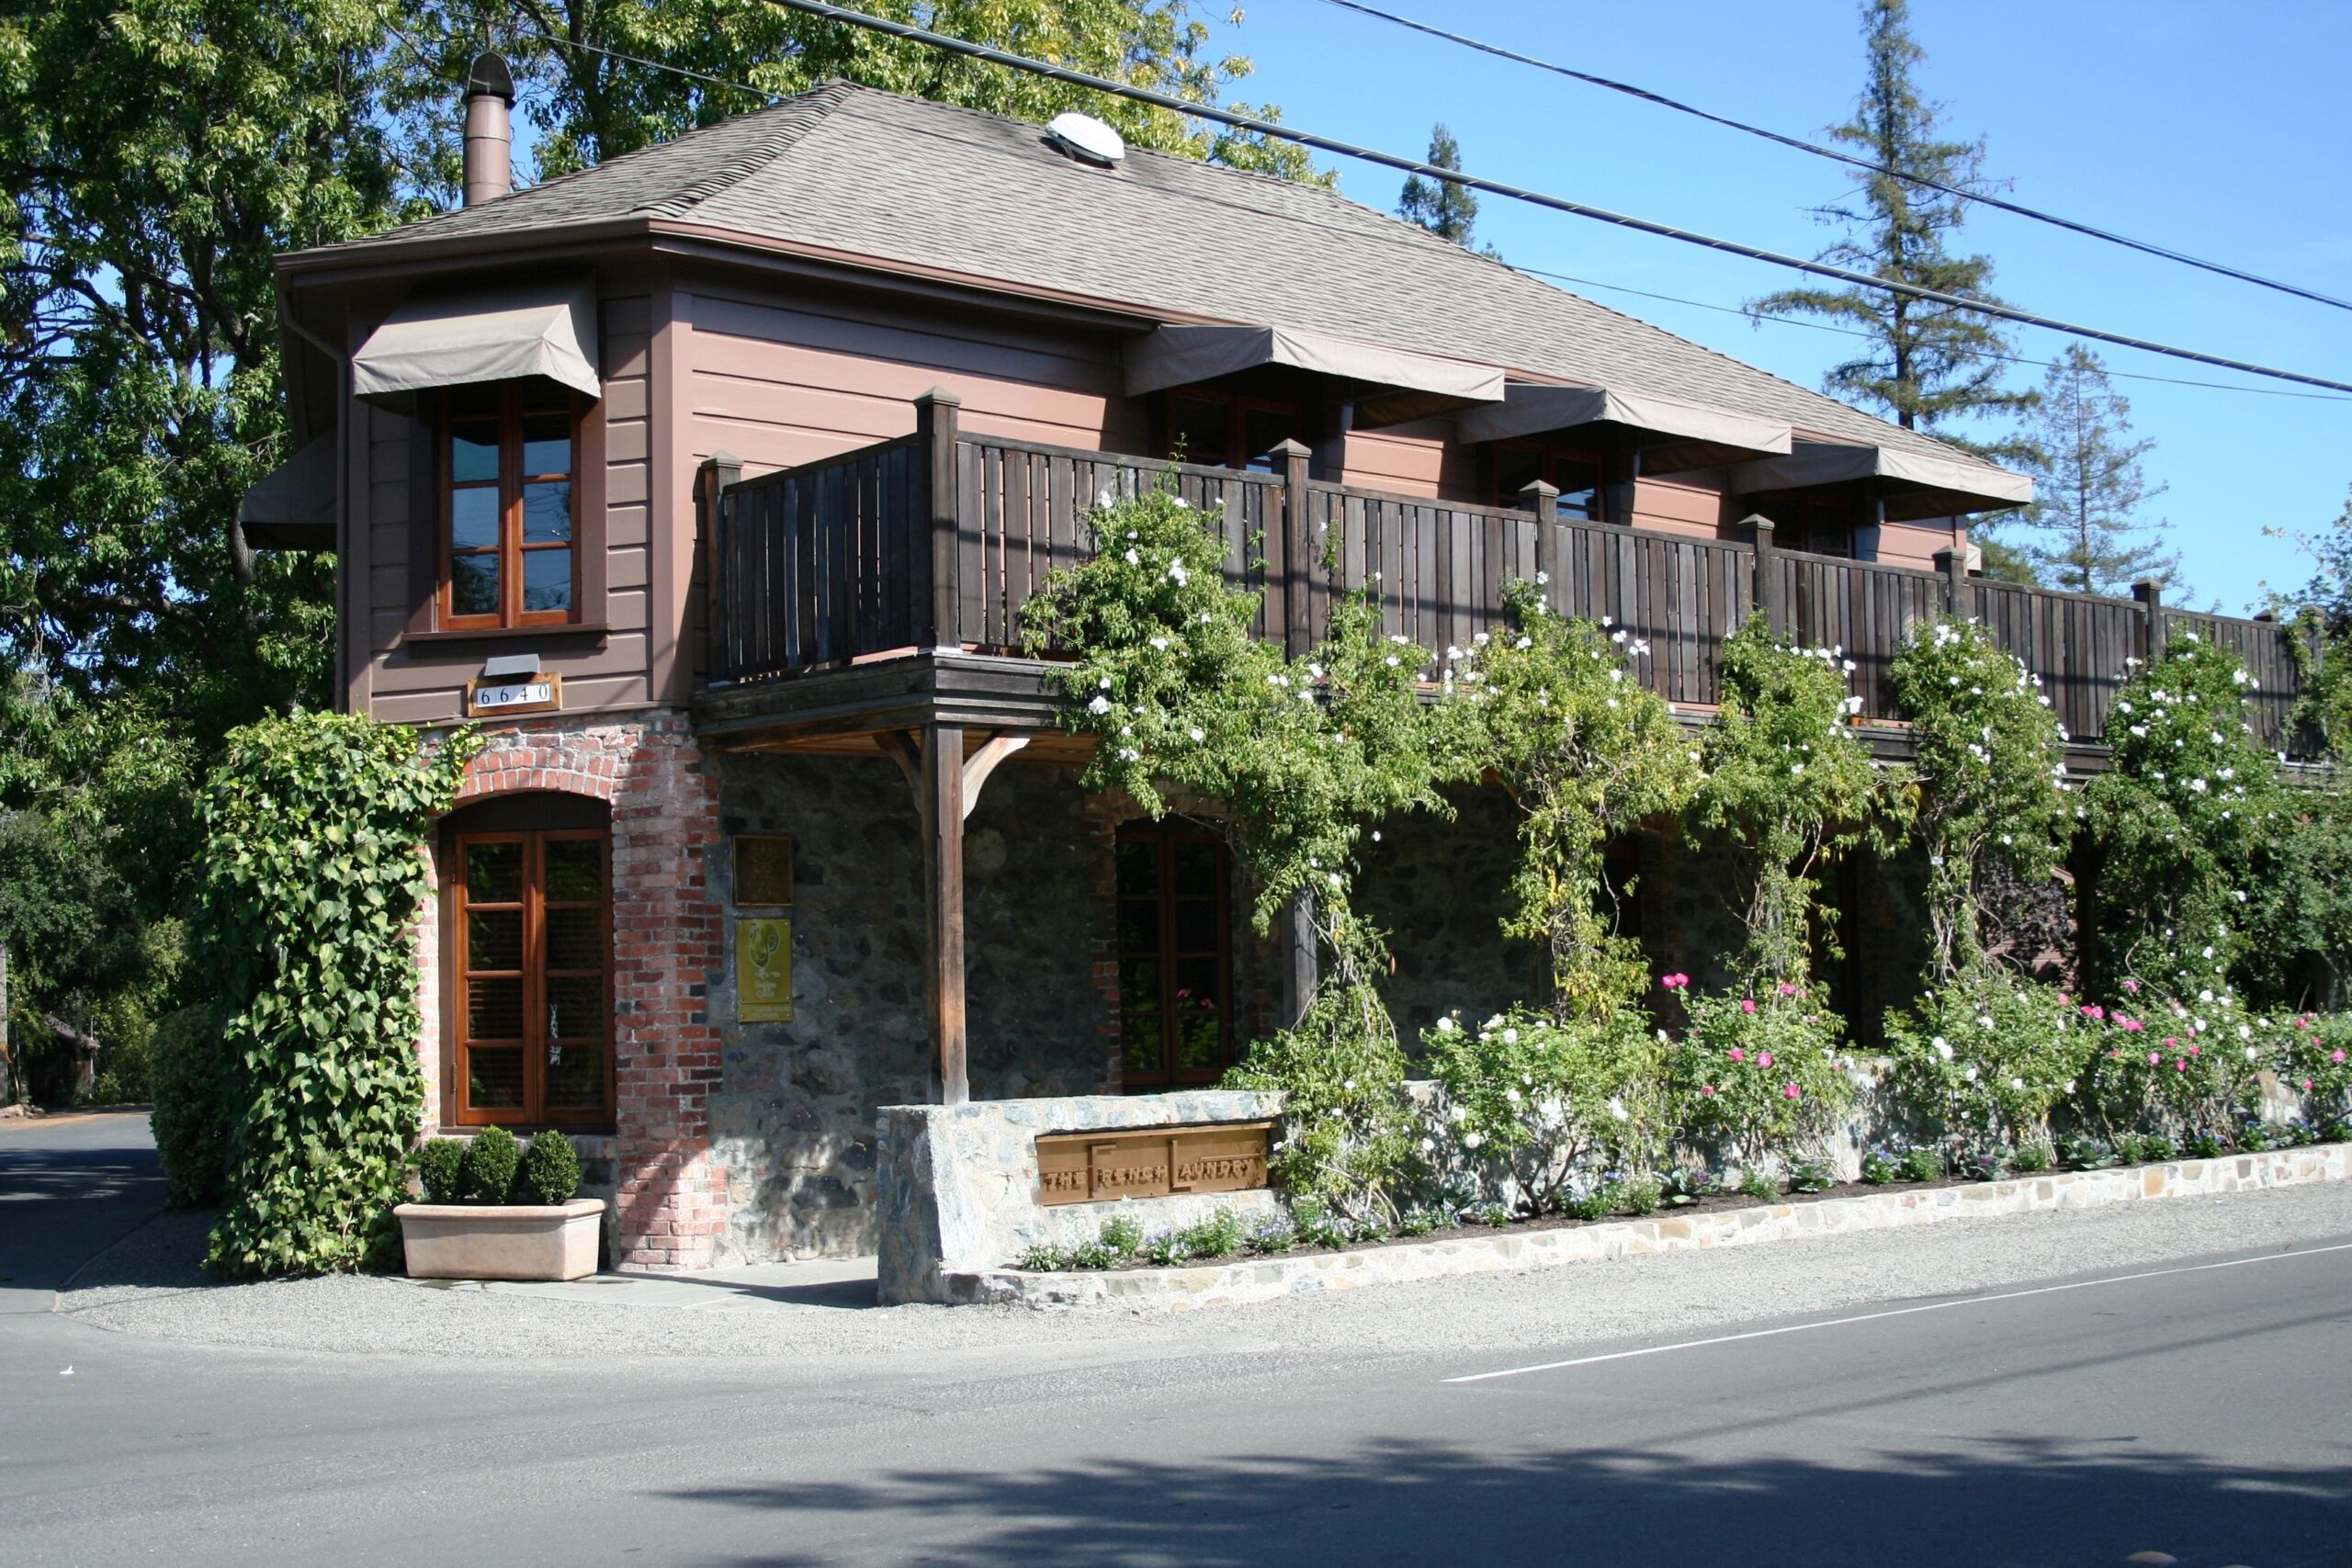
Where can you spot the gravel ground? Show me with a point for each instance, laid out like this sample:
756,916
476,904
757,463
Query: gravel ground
149,1285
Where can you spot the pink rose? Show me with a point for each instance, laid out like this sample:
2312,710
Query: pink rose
1793,1092
1763,1058
2172,1042
1787,990
2307,1085
2132,986
2065,1000
1737,1054
2340,1054
1708,1089
1746,1006
2181,1066
2193,1050
2153,1057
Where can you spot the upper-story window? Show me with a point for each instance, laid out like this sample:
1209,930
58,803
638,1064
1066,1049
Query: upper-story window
1575,475
1817,523
1228,431
509,452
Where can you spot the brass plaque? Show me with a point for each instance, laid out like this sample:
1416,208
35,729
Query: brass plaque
527,693
1097,1167
762,971
762,868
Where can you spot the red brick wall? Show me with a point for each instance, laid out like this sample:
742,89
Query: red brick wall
668,936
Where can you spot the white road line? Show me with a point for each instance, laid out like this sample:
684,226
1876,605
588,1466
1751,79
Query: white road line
1900,1312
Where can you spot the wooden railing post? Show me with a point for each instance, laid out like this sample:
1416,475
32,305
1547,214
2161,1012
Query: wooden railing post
1765,592
717,471
1953,564
2150,594
1295,571
1544,500
936,415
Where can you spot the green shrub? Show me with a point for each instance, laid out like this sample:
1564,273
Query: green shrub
1685,1185
490,1164
1923,1164
189,1074
1418,1222
1316,1225
1763,1075
1122,1233
2204,1145
1165,1248
1271,1235
1530,1100
1220,1235
1491,1214
1094,1254
1878,1168
2083,1151
312,871
551,1170
1594,1203
1987,1057
2030,1160
1640,1195
1811,1176
1759,1184
1041,1258
441,1170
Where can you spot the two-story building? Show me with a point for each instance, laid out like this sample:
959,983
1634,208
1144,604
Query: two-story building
711,482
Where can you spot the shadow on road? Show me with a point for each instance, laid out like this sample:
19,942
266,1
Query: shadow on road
2021,1502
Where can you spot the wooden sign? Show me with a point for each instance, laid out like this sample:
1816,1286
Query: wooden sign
527,693
763,868
762,971
1155,1162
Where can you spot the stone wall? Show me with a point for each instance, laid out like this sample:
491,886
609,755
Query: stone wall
793,1116
1440,888
960,1187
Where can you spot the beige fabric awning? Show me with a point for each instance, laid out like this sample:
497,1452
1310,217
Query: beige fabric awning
292,506
1676,435
539,330
1924,485
1411,386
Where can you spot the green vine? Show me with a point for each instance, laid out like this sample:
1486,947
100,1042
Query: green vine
1790,787
1554,708
1986,785
312,875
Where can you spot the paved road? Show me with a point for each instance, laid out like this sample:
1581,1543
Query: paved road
2200,1408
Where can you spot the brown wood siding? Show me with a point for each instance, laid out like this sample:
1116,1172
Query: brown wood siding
412,681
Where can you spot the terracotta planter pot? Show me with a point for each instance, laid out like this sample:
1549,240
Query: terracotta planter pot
491,1241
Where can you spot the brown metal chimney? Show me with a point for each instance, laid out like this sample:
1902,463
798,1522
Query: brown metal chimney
490,128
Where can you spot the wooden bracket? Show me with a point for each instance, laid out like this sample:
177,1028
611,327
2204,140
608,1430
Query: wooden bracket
903,747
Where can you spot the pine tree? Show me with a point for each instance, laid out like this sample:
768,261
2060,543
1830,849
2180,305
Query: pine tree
1929,366
2088,534
1445,209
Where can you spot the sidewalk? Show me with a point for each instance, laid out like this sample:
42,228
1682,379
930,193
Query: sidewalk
820,1283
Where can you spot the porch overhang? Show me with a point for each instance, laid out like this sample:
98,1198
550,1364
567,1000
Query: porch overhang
1394,385
1917,484
544,329
1672,435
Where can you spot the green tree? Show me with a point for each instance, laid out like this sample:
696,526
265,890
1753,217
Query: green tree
1445,209
589,104
2089,489
1929,367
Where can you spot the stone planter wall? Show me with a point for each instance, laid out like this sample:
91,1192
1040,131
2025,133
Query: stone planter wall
501,1241
1179,1290
957,1184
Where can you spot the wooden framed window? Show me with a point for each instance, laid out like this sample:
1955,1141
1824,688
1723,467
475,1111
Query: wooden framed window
510,557
1228,431
1175,964
1515,465
532,970
1816,523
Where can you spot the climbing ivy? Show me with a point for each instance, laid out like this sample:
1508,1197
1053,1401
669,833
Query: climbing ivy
312,878
1789,785
1986,785
1554,708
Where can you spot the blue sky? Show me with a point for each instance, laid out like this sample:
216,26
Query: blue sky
2217,131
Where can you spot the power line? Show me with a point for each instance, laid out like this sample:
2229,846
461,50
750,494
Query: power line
994,56
2019,209
650,64
1780,320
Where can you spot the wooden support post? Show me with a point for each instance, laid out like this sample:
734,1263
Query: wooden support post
1296,569
713,535
936,415
1765,592
943,844
2150,594
1953,564
1298,964
1544,500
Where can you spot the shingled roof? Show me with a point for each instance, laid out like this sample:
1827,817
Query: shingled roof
865,172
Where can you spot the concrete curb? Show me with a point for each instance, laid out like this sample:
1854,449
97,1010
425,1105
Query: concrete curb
1266,1278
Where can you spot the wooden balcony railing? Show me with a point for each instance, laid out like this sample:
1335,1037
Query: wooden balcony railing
939,538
